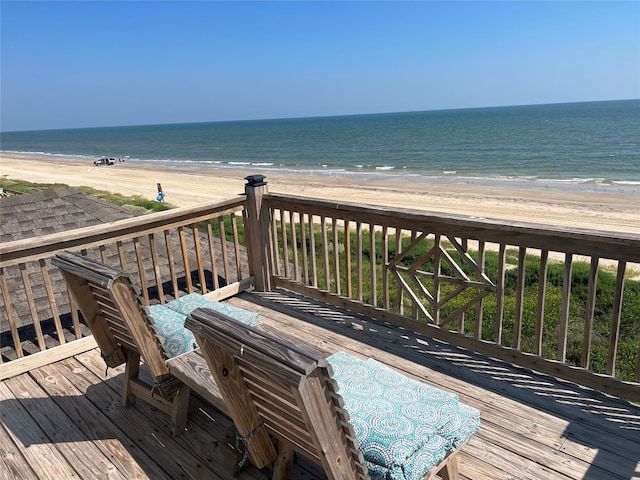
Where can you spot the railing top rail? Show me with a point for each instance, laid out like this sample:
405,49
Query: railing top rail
623,246
46,245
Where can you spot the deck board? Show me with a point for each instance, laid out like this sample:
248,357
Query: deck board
65,421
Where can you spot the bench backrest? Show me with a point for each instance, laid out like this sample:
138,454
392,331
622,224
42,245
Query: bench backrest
272,387
113,311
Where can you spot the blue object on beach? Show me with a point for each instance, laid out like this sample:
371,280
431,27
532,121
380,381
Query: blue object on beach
160,197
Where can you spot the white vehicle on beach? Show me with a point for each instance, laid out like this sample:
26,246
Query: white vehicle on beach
105,161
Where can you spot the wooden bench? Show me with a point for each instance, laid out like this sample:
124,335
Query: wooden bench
124,330
275,390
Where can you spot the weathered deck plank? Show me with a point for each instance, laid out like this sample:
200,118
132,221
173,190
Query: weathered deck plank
543,426
91,421
534,426
86,457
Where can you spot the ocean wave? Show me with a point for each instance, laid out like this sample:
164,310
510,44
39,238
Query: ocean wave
53,156
197,162
370,171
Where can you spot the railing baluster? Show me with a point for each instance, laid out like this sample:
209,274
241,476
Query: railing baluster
336,256
32,306
502,254
294,246
414,303
542,291
385,273
213,256
285,245
13,326
52,301
275,247
143,277
199,263
480,305
590,312
156,268
312,239
303,246
103,253
75,318
372,261
400,290
517,326
465,246
564,312
325,253
121,255
437,271
236,246
172,263
225,252
185,259
347,258
615,319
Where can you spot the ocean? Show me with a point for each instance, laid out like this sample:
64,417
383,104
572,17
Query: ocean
591,145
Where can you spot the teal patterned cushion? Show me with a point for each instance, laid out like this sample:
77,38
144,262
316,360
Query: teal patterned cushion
174,338
404,427
189,303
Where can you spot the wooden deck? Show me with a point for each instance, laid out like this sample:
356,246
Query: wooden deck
65,421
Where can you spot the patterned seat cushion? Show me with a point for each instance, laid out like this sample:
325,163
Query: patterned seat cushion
169,321
189,303
174,338
404,427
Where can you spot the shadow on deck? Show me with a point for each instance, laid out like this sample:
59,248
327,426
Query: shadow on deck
65,421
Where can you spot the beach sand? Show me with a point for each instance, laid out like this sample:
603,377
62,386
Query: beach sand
184,186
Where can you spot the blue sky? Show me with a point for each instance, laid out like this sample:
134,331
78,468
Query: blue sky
87,64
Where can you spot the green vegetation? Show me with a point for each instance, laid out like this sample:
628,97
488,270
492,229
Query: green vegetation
135,203
629,338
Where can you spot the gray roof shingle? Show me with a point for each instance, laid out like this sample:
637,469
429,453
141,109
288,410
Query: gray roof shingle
51,211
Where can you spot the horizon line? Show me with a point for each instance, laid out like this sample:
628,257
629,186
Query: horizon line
320,116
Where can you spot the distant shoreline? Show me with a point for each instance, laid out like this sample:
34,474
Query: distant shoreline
364,176
185,186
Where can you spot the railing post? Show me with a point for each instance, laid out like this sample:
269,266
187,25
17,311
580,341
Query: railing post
257,232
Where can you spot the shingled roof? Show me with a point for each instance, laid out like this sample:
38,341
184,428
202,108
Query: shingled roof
55,210
32,215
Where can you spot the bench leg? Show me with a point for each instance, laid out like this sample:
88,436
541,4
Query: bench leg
133,388
132,370
179,411
284,462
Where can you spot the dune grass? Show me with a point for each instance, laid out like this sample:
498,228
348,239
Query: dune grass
136,203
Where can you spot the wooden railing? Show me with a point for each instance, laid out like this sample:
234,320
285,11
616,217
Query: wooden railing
550,299
503,289
185,250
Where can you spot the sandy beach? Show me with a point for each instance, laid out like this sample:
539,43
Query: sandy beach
189,185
